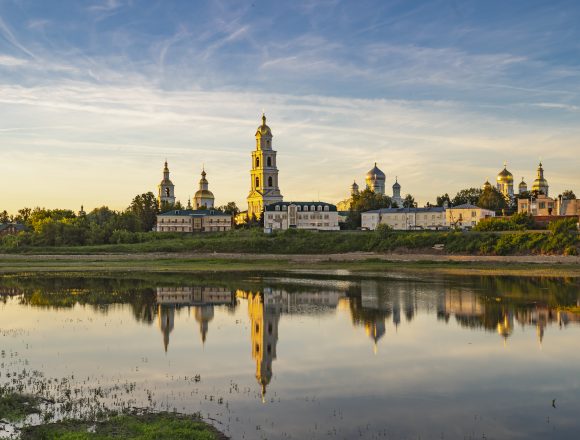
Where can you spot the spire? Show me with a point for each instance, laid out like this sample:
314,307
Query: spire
263,118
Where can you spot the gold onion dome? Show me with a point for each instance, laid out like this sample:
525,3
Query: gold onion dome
376,173
523,183
504,176
263,129
486,185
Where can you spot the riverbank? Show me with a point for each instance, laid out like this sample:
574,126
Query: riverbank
358,262
16,409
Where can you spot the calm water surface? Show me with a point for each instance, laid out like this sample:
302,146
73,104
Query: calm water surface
307,356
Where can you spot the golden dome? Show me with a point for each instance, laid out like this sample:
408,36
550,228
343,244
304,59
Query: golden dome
504,176
264,130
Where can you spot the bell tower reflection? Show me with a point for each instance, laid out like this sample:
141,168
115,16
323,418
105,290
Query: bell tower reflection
264,320
165,320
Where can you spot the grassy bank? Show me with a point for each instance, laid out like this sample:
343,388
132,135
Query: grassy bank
306,242
144,425
149,426
345,263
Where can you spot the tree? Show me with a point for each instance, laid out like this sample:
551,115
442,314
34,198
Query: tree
442,199
492,199
145,207
230,208
408,201
468,195
4,217
568,194
366,200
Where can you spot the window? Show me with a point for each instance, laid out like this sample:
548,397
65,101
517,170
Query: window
257,182
473,214
299,208
270,181
326,208
542,205
269,161
312,208
257,162
305,208
319,208
277,208
284,208
167,192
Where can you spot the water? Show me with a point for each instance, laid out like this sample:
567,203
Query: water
306,356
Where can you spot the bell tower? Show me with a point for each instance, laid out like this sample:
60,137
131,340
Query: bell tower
165,190
264,188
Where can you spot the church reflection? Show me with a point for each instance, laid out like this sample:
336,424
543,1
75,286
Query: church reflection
379,308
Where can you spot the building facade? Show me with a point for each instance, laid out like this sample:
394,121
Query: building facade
547,206
166,189
466,216
405,219
264,188
190,221
301,215
203,198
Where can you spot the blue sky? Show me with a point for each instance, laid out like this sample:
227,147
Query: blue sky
94,95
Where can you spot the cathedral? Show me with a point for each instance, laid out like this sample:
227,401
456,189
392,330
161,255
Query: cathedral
505,183
375,181
264,189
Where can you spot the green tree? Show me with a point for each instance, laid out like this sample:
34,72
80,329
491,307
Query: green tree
568,194
366,200
440,201
492,199
4,217
468,195
145,208
230,208
408,201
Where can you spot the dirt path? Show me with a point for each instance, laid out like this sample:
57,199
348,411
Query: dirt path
304,258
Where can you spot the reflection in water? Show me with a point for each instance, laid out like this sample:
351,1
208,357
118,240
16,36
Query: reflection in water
307,334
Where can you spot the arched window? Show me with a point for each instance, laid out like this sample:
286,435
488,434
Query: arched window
257,182
326,208
167,192
319,208
305,208
269,161
257,162
270,181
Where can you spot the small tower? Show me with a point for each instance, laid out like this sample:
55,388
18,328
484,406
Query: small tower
354,189
522,187
397,193
264,188
165,194
203,198
540,184
82,212
486,186
375,180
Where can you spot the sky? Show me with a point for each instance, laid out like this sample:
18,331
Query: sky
96,94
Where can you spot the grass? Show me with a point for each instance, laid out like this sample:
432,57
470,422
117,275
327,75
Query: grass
16,407
149,426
